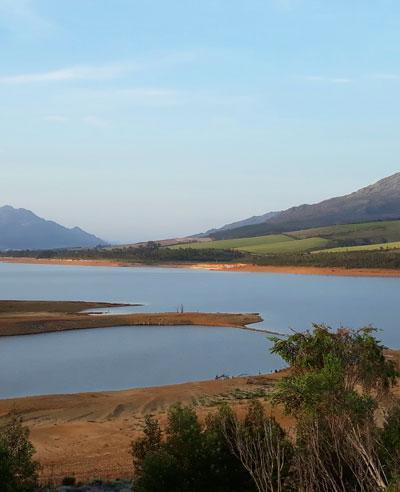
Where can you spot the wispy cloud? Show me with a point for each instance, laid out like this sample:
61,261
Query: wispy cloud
330,80
99,71
21,16
82,72
137,96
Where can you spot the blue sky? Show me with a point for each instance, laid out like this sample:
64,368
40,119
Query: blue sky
152,118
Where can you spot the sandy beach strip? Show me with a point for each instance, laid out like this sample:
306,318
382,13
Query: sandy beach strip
225,267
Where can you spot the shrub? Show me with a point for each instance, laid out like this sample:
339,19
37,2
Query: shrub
191,457
390,445
336,383
18,470
262,447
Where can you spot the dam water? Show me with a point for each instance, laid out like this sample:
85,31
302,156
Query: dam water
124,357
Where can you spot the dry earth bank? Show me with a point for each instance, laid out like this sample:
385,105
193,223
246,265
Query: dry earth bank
35,317
234,267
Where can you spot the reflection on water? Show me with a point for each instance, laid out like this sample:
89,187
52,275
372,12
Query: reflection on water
124,357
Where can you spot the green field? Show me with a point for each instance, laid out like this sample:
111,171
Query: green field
238,243
365,247
276,243
376,232
291,246
369,236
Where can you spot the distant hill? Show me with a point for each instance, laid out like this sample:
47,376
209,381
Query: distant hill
22,229
256,219
380,201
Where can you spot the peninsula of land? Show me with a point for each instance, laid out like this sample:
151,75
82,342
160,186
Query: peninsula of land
35,317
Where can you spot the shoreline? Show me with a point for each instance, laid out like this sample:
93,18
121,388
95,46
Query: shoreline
225,267
298,270
38,317
88,435
65,261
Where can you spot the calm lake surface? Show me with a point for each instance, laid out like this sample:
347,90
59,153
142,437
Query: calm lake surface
116,358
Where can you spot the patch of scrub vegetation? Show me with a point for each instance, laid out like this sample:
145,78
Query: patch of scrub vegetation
366,247
234,395
354,234
150,253
347,260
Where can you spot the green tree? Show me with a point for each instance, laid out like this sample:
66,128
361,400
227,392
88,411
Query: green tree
149,443
191,457
336,382
18,470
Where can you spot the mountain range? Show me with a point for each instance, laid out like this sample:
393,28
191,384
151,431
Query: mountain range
21,229
379,201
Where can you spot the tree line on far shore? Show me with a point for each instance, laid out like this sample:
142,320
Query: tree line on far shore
153,252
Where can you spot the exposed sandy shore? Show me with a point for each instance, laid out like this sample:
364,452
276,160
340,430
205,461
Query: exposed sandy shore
299,270
59,261
88,435
233,267
35,317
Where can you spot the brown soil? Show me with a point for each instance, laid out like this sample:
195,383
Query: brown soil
299,270
35,317
88,435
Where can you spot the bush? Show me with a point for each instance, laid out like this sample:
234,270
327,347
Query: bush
336,383
262,447
390,445
191,457
18,470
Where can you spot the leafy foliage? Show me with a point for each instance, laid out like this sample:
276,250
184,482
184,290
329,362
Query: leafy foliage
18,470
328,367
262,446
336,381
190,457
390,444
149,253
